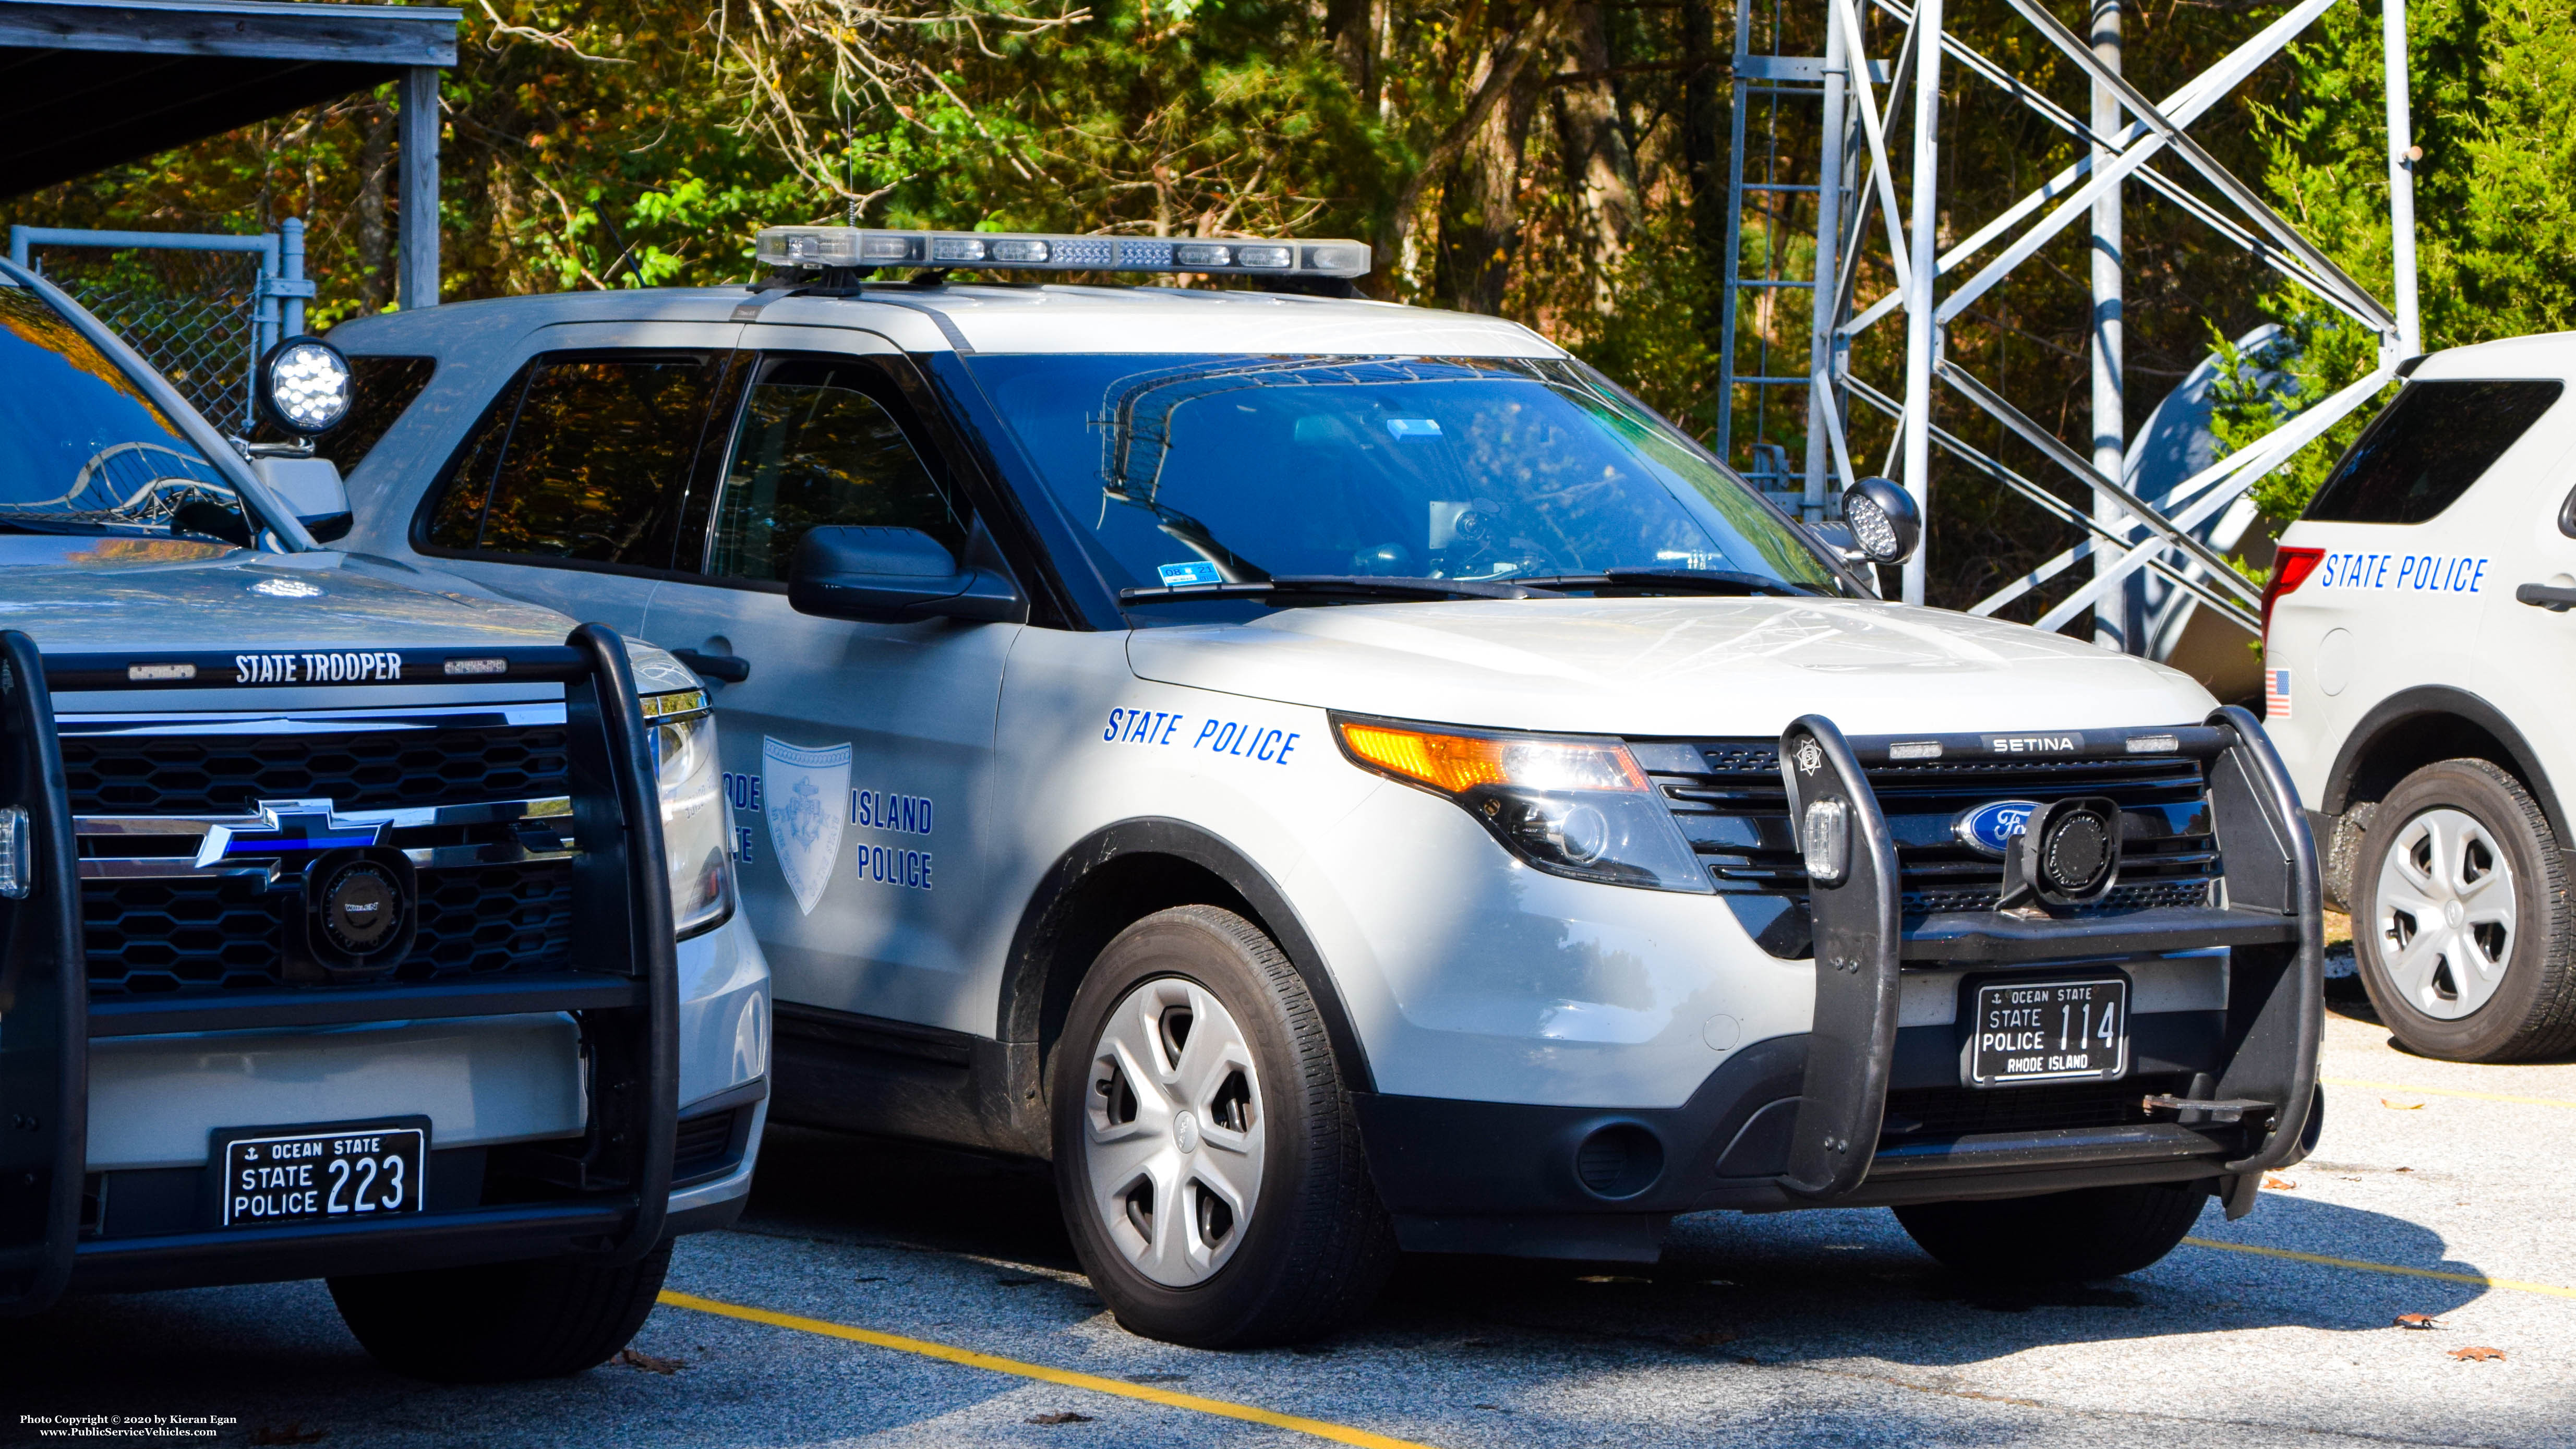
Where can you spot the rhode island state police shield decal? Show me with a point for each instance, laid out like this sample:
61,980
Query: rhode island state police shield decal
808,792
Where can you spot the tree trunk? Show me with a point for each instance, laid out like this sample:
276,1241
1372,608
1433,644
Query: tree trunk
375,238
1595,146
1350,27
1705,101
1497,76
1480,222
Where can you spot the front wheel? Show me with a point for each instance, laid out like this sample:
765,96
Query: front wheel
500,1321
2059,1237
1206,1156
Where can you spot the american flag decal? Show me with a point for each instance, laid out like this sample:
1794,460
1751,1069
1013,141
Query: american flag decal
2276,694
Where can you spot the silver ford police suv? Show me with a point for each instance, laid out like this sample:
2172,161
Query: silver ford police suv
1336,777
358,924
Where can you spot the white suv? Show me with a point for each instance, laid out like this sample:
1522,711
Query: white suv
2418,686
1334,776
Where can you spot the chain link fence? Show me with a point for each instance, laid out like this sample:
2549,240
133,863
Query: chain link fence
191,314
200,308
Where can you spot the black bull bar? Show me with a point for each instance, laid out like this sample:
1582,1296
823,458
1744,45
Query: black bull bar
624,993
2270,921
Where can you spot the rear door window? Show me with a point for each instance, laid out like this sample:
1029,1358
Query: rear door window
821,441
2425,450
582,459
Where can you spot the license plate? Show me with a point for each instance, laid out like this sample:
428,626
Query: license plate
322,1174
2050,1031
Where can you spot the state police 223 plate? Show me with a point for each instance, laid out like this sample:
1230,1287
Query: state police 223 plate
334,1172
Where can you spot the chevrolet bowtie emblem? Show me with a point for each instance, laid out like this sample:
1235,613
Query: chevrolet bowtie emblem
287,827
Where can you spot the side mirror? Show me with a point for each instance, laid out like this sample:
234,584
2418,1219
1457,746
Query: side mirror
311,487
894,576
305,386
1885,525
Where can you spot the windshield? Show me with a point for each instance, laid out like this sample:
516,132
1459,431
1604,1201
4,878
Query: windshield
1182,470
80,445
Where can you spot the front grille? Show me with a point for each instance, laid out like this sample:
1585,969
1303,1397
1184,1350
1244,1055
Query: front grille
1727,797
364,770
160,935
1917,1114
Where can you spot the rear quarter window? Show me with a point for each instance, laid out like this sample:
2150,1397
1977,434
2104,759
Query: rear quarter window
2426,448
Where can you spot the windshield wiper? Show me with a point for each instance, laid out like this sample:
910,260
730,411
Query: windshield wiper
1329,586
1674,581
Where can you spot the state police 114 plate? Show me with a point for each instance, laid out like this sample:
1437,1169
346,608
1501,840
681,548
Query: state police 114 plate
275,1175
2050,1031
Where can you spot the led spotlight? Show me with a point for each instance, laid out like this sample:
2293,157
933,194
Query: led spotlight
305,386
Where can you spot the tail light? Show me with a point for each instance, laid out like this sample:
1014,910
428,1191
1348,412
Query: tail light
2290,568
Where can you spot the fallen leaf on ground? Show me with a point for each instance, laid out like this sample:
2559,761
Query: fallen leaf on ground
649,1363
2401,1106
1067,1417
2418,1320
2405,1169
1710,1338
294,1433
2279,1184
2473,1355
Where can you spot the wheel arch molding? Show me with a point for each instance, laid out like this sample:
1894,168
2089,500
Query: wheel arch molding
2416,727
1120,874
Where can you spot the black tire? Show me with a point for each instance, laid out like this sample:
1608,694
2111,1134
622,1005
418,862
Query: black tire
2532,1012
500,1321
2061,1237
1317,1245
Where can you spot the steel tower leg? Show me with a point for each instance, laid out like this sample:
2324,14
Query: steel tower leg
1922,334
2116,616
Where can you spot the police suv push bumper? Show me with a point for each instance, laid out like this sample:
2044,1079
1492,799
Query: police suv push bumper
1800,1121
623,993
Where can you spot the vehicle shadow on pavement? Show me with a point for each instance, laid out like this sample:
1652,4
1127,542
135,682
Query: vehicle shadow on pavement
1836,1284
1778,1287
2347,1000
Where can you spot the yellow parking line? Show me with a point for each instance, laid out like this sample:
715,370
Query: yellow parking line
2446,1092
1338,1433
2479,1279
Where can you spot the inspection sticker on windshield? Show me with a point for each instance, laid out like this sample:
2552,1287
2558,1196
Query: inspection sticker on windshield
1413,427
1198,571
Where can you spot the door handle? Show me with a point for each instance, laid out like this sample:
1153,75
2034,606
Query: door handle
723,668
2545,596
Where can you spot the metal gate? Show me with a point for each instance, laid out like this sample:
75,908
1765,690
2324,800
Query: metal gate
200,307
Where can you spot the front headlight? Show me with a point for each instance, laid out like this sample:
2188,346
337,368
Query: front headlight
1568,805
683,737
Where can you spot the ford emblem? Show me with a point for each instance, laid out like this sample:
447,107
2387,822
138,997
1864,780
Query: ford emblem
1990,828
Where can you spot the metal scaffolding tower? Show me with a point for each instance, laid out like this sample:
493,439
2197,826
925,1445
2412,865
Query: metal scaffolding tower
1813,198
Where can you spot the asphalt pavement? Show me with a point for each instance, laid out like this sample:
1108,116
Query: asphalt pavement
897,1296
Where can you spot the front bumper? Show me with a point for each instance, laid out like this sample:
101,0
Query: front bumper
605,1192
1867,1110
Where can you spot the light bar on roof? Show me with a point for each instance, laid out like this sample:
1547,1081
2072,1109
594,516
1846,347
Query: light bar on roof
812,247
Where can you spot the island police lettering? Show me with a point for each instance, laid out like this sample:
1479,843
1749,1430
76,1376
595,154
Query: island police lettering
341,667
902,814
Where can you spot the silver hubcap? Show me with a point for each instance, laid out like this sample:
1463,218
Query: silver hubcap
2446,913
1175,1124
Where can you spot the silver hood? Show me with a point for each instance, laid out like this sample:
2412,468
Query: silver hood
97,595
1674,667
